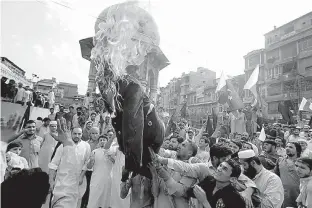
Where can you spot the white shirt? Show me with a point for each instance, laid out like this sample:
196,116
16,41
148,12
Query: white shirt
69,161
20,95
271,189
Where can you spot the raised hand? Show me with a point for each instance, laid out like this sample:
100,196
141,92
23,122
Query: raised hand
63,132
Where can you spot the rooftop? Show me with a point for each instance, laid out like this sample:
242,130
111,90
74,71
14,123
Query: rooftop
254,52
8,60
293,21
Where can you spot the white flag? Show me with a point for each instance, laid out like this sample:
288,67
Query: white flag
251,84
222,82
262,135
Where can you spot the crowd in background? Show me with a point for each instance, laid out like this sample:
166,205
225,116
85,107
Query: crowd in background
24,95
231,165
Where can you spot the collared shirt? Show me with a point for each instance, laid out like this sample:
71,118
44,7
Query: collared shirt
271,189
30,150
69,161
305,196
285,168
83,151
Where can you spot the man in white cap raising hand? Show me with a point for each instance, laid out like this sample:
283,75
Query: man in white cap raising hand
268,183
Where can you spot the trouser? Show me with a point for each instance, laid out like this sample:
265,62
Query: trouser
85,198
65,201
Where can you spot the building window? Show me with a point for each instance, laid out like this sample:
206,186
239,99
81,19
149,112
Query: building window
288,67
306,44
273,107
274,89
253,60
289,86
289,51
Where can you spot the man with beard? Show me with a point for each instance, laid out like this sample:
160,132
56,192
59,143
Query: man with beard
304,170
31,144
286,170
75,123
269,184
68,167
268,156
218,153
279,147
218,191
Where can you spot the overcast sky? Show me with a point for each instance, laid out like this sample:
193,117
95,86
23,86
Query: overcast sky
42,37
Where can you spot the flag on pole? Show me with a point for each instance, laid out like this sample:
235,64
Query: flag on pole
234,101
262,135
228,94
251,84
305,105
222,82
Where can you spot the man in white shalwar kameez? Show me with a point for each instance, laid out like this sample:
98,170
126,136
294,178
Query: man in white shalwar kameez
67,170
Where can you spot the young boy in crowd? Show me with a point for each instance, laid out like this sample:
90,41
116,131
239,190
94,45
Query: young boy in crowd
14,161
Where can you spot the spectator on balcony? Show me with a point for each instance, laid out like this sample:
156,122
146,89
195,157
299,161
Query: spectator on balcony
20,96
51,98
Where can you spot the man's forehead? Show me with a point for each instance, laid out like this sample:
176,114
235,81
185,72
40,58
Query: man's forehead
226,165
77,130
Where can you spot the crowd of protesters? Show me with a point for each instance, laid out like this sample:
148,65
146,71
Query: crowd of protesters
24,95
80,164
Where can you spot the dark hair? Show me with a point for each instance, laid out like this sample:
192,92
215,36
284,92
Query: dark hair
194,148
236,169
180,140
110,130
15,190
46,119
255,158
219,151
305,160
93,113
78,108
38,118
31,121
71,107
103,136
51,108
237,143
298,148
13,145
206,139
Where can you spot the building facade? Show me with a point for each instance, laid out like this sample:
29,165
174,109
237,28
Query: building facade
11,71
288,64
65,93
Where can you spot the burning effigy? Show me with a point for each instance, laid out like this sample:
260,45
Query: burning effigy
126,41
